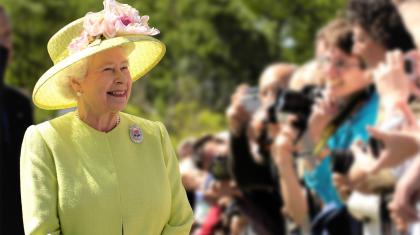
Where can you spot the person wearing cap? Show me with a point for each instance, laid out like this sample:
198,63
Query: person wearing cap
98,170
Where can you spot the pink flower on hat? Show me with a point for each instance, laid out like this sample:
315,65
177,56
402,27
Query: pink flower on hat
126,20
79,42
116,20
93,24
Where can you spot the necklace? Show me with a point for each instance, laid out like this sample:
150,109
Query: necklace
76,113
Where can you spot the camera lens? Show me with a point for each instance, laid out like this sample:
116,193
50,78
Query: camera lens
342,160
408,66
376,146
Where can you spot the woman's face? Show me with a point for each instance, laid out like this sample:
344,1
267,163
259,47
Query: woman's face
344,73
107,85
371,51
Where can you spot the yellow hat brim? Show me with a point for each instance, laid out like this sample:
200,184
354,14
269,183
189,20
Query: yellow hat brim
145,54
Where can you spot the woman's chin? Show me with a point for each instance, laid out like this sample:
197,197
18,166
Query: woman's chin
117,107
342,91
117,103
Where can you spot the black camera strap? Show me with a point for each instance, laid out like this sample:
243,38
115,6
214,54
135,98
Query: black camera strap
341,117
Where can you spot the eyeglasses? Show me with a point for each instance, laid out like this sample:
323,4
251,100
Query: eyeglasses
340,64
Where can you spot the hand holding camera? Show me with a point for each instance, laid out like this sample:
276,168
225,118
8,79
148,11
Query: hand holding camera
237,114
297,103
349,167
396,132
283,147
323,112
397,78
358,163
394,154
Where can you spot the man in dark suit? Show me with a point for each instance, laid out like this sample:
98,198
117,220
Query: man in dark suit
15,117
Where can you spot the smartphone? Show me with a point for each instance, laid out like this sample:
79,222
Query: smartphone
250,101
219,168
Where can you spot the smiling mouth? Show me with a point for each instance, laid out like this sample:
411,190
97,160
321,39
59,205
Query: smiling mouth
117,93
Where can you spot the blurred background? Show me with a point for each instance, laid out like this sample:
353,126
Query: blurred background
211,47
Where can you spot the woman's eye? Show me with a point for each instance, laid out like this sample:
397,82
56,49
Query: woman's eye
124,68
108,70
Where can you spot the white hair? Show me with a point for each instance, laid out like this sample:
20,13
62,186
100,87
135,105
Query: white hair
77,71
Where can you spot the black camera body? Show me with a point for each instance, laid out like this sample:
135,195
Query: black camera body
298,103
341,160
219,168
375,146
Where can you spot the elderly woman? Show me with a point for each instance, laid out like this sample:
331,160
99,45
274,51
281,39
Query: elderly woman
98,170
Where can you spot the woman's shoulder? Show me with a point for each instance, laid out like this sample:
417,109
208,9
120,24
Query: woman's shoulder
145,124
49,127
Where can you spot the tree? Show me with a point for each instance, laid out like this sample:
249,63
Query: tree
212,46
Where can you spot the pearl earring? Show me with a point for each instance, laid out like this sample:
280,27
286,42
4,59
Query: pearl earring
79,93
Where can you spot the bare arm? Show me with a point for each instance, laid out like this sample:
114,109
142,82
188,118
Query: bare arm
293,194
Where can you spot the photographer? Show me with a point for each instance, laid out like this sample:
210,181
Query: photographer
293,193
339,118
256,176
214,210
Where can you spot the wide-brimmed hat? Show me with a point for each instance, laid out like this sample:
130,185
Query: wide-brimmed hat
118,25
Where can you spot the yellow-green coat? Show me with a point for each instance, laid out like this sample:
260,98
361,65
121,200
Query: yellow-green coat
76,180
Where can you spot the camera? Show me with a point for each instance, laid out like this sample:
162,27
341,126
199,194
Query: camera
251,101
219,168
297,103
341,161
375,146
382,182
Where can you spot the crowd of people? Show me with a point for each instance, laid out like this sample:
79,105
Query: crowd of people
327,147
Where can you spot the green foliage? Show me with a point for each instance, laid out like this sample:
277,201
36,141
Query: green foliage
212,46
